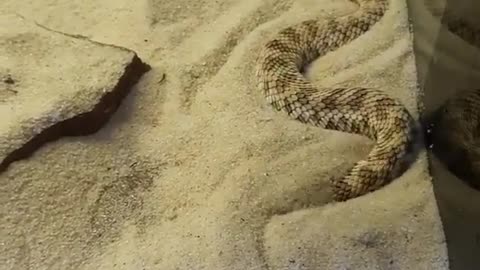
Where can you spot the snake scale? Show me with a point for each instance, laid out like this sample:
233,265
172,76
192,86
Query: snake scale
359,110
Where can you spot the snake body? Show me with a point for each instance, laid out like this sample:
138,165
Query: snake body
359,110
456,129
455,125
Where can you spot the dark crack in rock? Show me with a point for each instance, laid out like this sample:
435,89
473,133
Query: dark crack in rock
54,84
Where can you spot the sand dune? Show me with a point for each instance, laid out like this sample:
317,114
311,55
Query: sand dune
195,171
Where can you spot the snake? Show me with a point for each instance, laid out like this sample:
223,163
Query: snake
365,111
454,126
455,129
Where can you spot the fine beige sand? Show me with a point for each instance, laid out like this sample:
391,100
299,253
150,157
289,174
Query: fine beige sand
195,171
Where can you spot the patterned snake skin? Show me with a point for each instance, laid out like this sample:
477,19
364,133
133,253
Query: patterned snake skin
456,129
364,111
455,126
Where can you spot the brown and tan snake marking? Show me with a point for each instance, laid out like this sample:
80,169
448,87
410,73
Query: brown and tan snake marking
359,110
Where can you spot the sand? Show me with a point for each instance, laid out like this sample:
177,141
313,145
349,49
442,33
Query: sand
47,91
195,171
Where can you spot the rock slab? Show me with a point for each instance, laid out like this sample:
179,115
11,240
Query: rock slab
54,84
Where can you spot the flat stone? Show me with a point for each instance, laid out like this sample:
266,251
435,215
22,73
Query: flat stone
54,84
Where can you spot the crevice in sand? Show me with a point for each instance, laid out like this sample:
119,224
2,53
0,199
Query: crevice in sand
85,123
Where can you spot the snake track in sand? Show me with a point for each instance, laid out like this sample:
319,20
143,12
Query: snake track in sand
365,111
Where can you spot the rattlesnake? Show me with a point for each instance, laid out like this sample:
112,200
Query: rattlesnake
456,131
365,111
454,126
